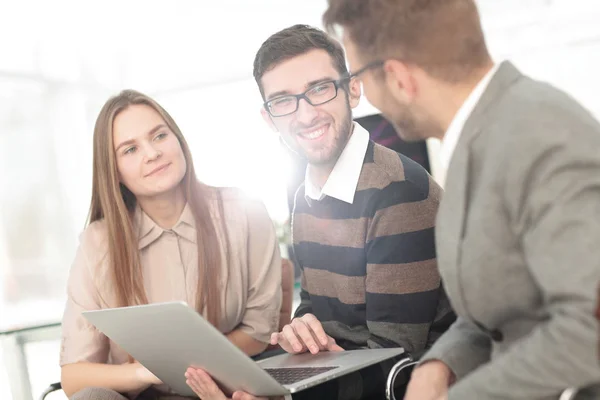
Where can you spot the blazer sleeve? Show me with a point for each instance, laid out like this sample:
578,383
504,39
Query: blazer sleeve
462,348
555,198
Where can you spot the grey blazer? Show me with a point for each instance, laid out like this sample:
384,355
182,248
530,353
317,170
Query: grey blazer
518,241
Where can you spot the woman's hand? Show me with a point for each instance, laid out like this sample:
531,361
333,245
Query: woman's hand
203,385
144,375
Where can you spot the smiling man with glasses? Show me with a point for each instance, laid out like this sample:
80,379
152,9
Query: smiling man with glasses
363,221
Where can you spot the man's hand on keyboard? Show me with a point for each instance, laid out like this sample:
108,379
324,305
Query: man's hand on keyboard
304,334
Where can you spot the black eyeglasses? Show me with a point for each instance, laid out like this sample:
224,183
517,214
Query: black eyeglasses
316,95
371,65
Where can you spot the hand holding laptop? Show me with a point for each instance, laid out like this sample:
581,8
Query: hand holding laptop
204,386
168,338
304,334
144,375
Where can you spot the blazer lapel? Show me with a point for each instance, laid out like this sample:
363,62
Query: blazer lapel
450,221
506,75
450,227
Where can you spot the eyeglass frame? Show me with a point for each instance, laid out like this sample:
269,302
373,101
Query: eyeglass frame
371,65
337,83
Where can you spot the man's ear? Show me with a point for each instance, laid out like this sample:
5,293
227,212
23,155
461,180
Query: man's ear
400,80
354,92
268,119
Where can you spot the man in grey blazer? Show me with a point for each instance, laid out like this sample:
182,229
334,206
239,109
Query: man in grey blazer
518,230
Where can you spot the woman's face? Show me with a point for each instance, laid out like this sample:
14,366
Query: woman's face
149,157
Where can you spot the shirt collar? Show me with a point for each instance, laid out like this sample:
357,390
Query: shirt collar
148,231
458,122
343,179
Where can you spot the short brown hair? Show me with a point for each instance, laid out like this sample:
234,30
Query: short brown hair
292,42
443,37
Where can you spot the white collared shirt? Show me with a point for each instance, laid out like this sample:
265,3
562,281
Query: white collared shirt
343,179
458,122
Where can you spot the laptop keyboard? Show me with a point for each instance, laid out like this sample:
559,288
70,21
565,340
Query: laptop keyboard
288,376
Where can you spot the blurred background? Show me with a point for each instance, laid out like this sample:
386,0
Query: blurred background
59,62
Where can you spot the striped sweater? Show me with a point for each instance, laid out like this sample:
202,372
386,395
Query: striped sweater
369,270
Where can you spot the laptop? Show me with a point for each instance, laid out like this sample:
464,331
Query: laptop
167,338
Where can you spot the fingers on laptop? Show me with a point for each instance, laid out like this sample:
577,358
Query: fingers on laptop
315,326
203,385
274,338
245,396
290,340
306,331
278,338
302,334
333,346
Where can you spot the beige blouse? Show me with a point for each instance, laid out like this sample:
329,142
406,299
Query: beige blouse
251,295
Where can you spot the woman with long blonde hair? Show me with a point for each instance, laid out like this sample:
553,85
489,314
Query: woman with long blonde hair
155,234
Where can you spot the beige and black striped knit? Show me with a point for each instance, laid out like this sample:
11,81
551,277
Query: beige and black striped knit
369,270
